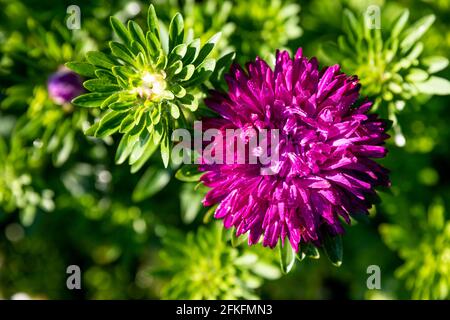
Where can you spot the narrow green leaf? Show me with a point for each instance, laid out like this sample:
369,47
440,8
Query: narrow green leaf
416,31
139,148
434,86
351,25
177,53
136,33
120,30
121,106
435,63
287,256
309,250
192,51
333,248
149,151
188,173
178,91
235,240
190,203
124,149
207,48
202,73
186,73
105,74
165,143
100,59
222,67
109,124
90,100
122,52
100,85
152,21
153,181
175,68
82,68
91,130
176,31
174,110
400,23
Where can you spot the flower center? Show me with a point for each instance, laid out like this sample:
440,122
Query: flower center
152,86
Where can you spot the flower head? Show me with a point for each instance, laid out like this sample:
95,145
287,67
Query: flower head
64,85
325,169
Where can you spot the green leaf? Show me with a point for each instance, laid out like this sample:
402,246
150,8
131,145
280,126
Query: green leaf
177,53
100,59
165,141
209,214
136,33
190,203
434,86
127,123
235,240
188,173
333,248
202,73
400,23
109,124
152,21
176,31
153,181
222,67
165,149
90,100
266,270
178,90
351,25
435,63
149,151
175,68
105,74
120,30
122,52
100,85
140,146
124,149
186,73
309,250
174,110
120,106
361,217
287,256
207,48
61,156
416,31
82,68
192,52
91,130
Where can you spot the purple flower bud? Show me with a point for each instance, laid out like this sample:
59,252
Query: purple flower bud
64,85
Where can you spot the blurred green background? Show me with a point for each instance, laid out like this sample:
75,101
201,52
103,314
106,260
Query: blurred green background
63,200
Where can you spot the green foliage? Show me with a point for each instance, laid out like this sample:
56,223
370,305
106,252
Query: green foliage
425,248
207,267
147,85
265,26
389,61
46,126
17,191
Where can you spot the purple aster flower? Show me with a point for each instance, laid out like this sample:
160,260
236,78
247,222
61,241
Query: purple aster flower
327,143
64,85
